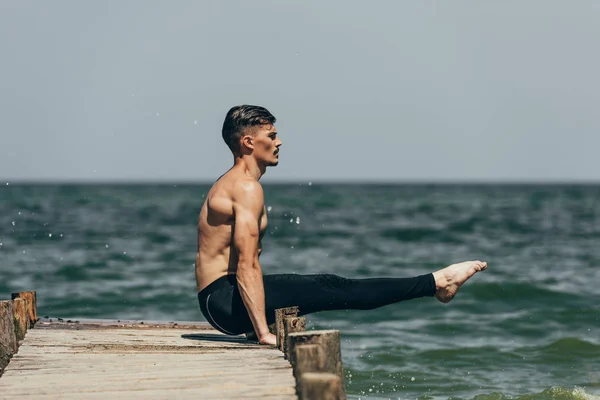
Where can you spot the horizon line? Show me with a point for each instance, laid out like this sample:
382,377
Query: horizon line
347,181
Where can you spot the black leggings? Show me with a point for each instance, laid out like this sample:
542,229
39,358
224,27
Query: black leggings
224,309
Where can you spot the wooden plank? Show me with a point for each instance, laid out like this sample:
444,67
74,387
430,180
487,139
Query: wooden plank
150,364
79,323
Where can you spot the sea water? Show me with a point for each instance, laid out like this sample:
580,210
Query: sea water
527,328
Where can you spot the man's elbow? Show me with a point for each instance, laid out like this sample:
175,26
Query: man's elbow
247,264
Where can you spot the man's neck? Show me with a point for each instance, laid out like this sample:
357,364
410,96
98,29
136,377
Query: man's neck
249,166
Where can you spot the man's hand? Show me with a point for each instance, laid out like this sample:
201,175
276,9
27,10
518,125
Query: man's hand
269,339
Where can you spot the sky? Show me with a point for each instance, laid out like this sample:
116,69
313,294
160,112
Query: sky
432,91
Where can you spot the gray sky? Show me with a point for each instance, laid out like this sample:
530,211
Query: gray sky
382,90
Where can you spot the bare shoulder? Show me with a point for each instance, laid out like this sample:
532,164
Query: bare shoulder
248,193
219,198
246,186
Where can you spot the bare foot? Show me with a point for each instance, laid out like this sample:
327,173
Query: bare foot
449,279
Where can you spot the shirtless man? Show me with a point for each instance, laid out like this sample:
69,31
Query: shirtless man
234,295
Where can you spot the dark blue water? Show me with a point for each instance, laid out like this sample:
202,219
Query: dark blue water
526,328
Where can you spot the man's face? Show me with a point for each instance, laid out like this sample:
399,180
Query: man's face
266,145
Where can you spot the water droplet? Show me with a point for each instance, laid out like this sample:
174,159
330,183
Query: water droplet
6,183
107,246
61,235
412,379
309,183
23,251
195,122
269,208
291,219
13,223
297,220
49,235
124,252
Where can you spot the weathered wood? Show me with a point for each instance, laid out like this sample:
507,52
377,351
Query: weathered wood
89,324
134,363
308,358
8,342
280,314
320,385
31,305
329,342
291,324
20,318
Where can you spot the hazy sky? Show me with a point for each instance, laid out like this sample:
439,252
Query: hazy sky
380,90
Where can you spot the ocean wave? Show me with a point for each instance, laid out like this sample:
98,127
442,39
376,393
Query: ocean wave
554,393
519,293
567,349
420,234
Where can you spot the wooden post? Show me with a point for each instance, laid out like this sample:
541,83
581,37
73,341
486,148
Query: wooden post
320,385
329,342
31,305
20,318
8,342
291,324
308,358
280,314
273,329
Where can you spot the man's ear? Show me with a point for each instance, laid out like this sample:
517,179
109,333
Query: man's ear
248,142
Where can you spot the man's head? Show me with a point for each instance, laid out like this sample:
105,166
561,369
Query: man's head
250,130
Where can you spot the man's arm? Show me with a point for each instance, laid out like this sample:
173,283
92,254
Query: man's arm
248,204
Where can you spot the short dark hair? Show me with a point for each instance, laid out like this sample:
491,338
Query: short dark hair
241,117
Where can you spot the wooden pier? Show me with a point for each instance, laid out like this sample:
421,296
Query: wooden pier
92,359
